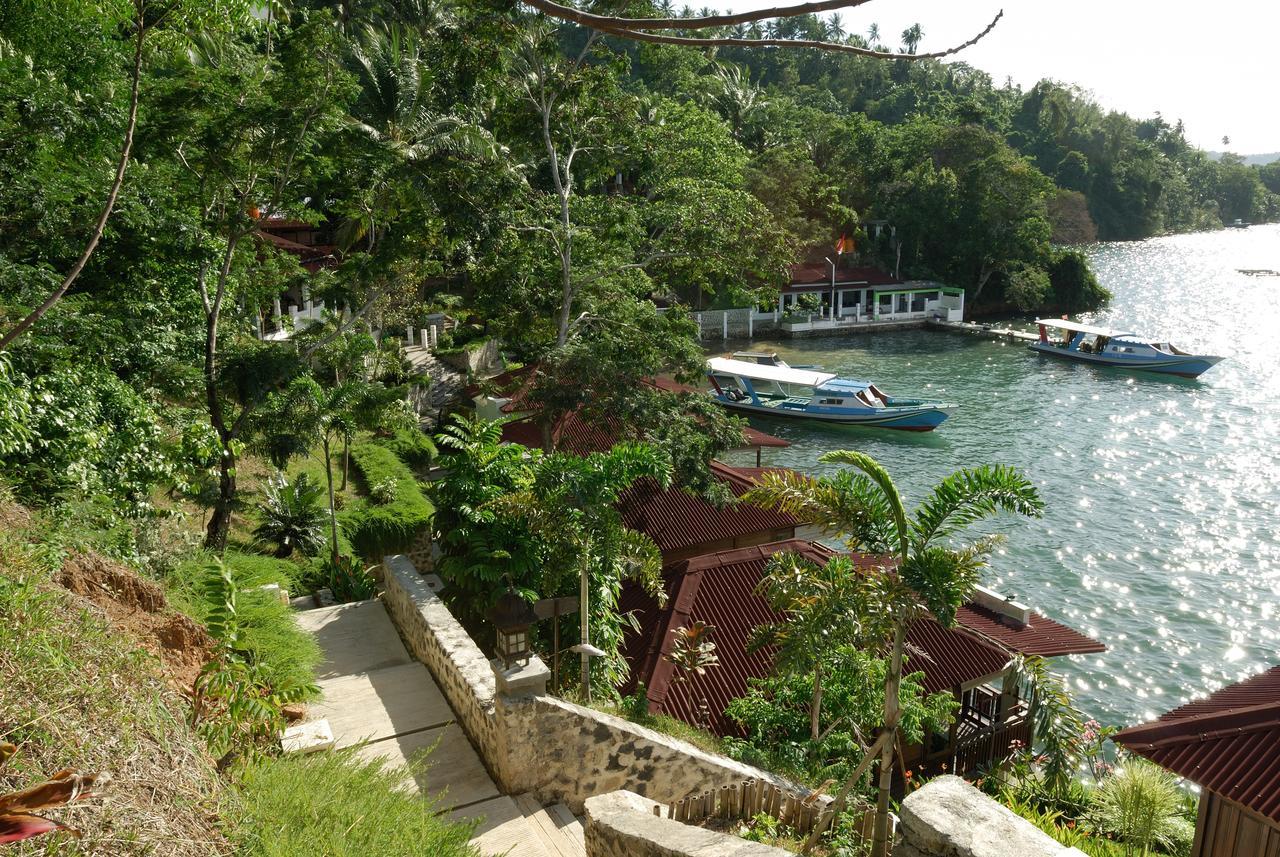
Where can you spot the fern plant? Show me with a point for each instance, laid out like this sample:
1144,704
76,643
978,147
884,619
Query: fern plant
1140,804
293,517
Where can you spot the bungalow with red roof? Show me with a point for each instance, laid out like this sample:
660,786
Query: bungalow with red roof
1229,744
314,248
971,660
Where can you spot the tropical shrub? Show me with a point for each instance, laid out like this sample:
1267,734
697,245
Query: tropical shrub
376,530
238,698
412,446
383,492
262,627
348,580
293,516
1140,805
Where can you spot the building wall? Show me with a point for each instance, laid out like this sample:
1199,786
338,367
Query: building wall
1226,829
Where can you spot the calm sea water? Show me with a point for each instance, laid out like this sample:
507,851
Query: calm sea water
1162,535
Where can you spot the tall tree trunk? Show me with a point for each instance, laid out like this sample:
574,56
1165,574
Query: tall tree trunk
880,833
583,593
101,224
333,512
346,461
815,704
215,538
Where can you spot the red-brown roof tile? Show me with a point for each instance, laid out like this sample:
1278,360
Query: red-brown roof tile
819,273
1228,742
720,589
677,520
1041,636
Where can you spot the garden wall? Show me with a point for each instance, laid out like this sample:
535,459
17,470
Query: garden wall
622,824
538,743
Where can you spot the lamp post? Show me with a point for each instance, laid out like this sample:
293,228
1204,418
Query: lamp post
512,617
833,286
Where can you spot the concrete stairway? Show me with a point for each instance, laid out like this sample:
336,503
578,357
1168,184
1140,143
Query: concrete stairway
446,382
375,694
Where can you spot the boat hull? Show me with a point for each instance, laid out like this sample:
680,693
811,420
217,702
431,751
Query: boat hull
1184,366
924,418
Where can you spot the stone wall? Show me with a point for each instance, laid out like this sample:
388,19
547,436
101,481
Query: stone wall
566,753
460,669
622,824
538,743
947,817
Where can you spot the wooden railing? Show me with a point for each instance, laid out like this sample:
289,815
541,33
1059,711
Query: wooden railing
992,744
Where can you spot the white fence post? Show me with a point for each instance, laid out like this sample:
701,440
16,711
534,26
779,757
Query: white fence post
699,317
751,322
724,324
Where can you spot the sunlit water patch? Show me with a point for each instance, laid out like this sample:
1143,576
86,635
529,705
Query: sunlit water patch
1162,535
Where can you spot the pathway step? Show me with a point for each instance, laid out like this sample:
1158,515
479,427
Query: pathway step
552,831
381,704
453,774
355,638
503,829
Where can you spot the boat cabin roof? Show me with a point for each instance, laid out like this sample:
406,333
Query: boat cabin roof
1077,327
844,386
758,372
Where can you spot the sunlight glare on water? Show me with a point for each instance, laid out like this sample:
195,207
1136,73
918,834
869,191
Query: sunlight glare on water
1162,534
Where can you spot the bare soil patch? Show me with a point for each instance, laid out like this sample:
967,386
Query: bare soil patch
138,606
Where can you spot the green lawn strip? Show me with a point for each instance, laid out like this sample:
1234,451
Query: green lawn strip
334,803
268,632
378,529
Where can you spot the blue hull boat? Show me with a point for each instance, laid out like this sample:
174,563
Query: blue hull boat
781,391
1103,347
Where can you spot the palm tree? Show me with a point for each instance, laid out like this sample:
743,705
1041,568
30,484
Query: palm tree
395,111
735,97
911,37
933,574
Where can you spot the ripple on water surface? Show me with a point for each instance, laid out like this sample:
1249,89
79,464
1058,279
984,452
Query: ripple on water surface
1162,534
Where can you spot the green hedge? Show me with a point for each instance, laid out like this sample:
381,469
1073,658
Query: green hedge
376,530
412,446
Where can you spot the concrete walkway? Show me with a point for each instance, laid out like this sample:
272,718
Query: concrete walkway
377,695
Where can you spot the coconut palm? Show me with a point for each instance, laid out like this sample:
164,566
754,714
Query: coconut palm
911,37
735,98
931,574
395,111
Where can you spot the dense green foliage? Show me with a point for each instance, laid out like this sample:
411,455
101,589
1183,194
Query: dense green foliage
339,805
377,529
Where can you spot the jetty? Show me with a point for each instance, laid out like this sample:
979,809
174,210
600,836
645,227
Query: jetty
990,331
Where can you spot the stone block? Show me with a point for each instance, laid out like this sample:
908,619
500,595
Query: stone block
521,679
947,817
622,824
307,737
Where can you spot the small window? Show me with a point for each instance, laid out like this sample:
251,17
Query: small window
831,402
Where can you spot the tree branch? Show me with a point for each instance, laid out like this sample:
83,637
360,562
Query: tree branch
603,22
101,225
835,47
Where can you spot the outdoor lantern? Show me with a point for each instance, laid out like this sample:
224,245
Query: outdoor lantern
512,616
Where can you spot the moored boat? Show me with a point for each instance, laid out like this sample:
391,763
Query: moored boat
784,391
769,358
1104,347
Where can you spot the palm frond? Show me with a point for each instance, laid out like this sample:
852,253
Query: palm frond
878,475
971,495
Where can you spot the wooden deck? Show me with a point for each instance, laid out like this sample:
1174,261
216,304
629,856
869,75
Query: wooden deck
377,696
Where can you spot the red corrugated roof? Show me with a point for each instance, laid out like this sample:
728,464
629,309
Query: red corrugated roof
720,589
819,273
1228,742
1041,636
677,520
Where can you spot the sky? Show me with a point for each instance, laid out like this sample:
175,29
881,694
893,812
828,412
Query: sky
1215,66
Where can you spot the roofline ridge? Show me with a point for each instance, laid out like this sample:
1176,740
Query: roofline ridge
1156,731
